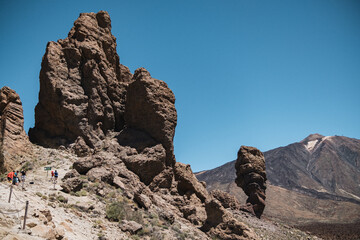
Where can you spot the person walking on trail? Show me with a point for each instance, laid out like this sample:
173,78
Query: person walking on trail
52,175
23,176
17,174
56,175
15,180
10,176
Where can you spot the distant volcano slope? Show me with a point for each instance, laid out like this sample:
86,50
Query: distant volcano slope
317,168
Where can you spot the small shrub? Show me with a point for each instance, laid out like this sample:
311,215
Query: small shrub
52,198
116,211
65,205
111,195
80,193
44,197
39,194
27,166
62,199
120,210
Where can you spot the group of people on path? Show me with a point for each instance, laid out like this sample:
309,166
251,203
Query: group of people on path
54,175
14,178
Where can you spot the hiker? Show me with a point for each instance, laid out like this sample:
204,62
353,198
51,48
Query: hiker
56,174
18,175
23,175
10,176
52,175
15,180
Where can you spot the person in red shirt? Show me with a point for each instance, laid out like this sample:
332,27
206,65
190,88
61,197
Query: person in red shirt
52,175
10,176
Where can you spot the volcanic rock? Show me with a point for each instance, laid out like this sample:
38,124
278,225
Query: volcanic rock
120,125
223,225
251,177
150,106
14,142
72,184
187,182
82,85
130,226
226,200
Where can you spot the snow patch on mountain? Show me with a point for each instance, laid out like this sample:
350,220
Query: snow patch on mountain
311,145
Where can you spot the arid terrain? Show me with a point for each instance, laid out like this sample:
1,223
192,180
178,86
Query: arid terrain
54,214
109,133
299,191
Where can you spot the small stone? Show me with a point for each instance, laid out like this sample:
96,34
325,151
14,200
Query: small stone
130,226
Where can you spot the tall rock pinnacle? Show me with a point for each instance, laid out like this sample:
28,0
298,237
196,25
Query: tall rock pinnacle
82,85
251,177
14,142
86,94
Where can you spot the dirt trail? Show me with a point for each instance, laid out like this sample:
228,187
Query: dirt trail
47,216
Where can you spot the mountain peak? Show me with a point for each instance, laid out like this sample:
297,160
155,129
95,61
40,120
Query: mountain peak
312,137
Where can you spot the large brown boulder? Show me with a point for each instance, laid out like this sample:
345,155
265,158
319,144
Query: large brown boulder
14,143
150,106
187,183
82,85
251,177
226,200
223,225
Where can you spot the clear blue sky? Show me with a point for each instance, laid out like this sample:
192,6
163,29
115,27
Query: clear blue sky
259,73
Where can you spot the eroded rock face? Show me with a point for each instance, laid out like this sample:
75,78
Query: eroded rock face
150,106
226,200
86,96
251,177
14,142
82,85
223,225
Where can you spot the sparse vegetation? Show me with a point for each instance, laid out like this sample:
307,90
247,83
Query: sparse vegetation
121,210
80,193
62,199
27,166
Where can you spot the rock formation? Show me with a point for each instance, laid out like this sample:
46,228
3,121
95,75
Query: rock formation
226,200
82,86
14,143
121,126
150,106
251,177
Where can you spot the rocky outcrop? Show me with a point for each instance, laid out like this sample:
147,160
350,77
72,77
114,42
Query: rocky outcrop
150,106
251,177
82,85
223,225
14,143
187,182
86,97
120,125
226,200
